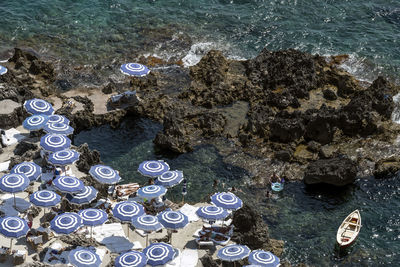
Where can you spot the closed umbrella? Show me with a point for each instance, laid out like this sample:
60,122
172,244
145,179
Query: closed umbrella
92,217
38,107
58,118
80,257
151,191
69,184
169,178
131,259
134,69
159,253
87,195
227,200
153,168
63,157
58,128
263,258
30,169
66,223
13,227
233,253
212,213
35,122
147,223
3,70
55,142
104,174
13,183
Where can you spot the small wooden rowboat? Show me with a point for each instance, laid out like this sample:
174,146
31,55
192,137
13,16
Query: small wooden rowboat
349,229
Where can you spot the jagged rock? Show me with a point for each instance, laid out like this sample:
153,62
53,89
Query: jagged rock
11,114
79,240
23,147
208,261
283,155
109,88
386,167
286,130
329,94
338,171
87,158
314,146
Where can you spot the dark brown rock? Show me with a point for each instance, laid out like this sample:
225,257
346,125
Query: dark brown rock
23,147
283,155
386,168
329,94
87,158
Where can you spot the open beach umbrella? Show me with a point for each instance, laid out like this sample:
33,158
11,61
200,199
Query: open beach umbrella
169,178
131,259
30,169
227,200
159,253
55,118
38,107
126,210
173,219
263,258
66,223
13,183
45,198
134,69
104,174
92,217
153,168
3,70
35,122
88,194
58,128
13,227
147,223
212,213
55,142
80,257
63,157
233,252
69,184
151,191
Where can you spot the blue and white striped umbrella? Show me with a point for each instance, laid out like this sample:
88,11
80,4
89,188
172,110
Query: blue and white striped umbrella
69,184
131,259
88,194
13,227
84,258
227,200
66,223
233,252
93,217
58,128
14,182
134,69
126,210
55,118
263,258
63,157
153,168
45,198
148,223
151,191
104,174
55,142
3,70
35,122
159,253
169,178
30,169
38,107
173,219
212,213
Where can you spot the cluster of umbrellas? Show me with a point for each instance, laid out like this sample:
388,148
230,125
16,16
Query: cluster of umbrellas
261,258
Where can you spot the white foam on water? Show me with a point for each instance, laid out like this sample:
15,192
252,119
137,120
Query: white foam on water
197,51
396,111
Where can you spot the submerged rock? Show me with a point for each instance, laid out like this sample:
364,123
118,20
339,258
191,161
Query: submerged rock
387,167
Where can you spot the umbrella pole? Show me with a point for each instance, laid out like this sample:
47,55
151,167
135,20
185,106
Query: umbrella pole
15,203
127,226
11,245
147,239
91,232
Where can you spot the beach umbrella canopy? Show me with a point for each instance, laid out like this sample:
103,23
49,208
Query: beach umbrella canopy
233,252
169,178
153,168
38,107
151,191
45,198
134,69
35,122
263,258
14,182
69,184
227,200
88,194
126,210
55,118
63,157
104,174
173,219
13,227
66,223
212,213
93,217
30,169
148,223
55,142
159,253
58,128
131,259
80,257
3,70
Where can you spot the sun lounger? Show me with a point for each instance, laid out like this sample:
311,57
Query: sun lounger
204,243
19,256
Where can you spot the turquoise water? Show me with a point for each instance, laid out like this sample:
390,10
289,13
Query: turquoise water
305,218
90,31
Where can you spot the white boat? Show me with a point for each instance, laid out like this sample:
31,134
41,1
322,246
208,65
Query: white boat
349,229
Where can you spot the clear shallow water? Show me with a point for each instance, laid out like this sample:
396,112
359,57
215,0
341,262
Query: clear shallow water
91,31
305,218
